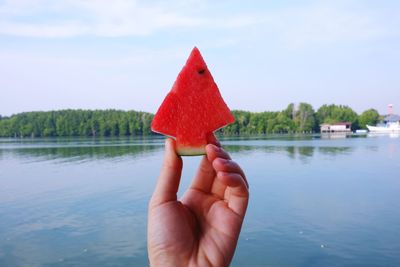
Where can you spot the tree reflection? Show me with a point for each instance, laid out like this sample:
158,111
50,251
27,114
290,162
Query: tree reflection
92,149
304,153
78,153
328,150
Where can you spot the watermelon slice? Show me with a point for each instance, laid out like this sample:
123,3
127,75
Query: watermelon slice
193,110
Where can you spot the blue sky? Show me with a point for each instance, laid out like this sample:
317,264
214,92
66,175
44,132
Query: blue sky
263,54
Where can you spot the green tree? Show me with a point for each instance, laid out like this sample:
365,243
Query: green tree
290,111
123,123
305,118
337,113
368,117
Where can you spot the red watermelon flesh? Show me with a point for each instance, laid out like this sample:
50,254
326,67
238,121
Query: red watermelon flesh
193,109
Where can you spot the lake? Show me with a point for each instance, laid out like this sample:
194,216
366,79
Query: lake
314,201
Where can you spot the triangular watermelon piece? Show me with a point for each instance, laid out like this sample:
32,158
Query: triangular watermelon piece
193,109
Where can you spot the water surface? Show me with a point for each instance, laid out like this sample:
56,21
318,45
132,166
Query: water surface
314,201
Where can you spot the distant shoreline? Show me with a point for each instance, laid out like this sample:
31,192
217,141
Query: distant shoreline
98,123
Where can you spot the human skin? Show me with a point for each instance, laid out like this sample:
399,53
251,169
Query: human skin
203,227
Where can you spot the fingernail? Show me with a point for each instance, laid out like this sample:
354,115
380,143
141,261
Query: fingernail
224,161
214,147
221,174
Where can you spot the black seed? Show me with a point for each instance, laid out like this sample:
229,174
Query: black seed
201,71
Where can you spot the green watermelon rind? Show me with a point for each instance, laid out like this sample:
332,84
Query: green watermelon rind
191,151
186,151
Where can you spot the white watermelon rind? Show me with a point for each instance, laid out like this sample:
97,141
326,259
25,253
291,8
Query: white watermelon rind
186,151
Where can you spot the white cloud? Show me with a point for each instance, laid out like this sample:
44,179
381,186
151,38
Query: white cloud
316,23
65,29
324,24
100,18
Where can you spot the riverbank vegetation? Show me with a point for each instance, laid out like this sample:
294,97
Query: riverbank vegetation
300,118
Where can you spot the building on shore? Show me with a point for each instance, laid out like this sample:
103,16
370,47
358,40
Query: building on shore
390,124
339,127
391,118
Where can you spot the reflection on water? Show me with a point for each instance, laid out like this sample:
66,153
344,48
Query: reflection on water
337,135
93,149
391,135
82,153
83,202
293,152
78,149
335,150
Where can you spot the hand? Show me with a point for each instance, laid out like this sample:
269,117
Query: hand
202,228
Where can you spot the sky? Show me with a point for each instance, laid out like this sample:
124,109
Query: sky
126,54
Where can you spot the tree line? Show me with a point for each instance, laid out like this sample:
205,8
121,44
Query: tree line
300,118
76,123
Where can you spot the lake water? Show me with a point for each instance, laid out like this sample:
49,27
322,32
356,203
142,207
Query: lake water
314,201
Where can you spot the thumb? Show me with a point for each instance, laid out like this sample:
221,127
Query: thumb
170,176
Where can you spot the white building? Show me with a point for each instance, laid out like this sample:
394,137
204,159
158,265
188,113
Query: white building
339,127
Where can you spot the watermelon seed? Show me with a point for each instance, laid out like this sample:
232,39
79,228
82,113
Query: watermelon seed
201,71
